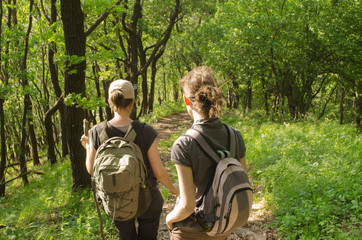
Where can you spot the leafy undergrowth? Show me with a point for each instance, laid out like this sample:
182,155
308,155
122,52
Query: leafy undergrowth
311,174
47,208
160,111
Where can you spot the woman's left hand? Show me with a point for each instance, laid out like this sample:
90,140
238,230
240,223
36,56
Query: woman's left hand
176,190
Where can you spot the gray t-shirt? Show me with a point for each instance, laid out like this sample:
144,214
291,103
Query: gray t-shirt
185,151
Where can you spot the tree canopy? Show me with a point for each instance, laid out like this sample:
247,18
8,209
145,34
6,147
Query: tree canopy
290,58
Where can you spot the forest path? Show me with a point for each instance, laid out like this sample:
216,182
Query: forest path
257,227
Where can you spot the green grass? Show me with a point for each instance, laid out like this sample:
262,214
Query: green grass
47,208
166,109
310,172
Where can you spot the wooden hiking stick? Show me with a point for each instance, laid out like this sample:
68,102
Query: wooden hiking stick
85,131
85,127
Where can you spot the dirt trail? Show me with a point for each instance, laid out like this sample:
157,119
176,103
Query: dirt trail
256,229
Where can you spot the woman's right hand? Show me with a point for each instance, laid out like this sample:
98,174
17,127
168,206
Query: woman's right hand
84,140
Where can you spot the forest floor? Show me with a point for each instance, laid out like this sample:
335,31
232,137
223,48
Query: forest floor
259,221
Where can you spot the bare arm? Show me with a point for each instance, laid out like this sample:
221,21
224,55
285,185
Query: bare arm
159,170
185,206
91,153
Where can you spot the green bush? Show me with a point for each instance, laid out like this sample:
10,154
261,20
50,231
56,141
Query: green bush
311,173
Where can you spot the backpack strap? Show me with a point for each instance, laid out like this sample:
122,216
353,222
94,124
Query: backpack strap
102,131
205,146
232,142
134,128
130,134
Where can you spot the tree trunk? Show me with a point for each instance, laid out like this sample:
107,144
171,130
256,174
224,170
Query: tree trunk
144,105
27,101
265,96
34,144
143,61
4,71
235,95
164,87
275,104
152,90
132,60
153,80
228,97
341,107
53,69
96,70
49,131
3,145
327,101
175,92
134,40
249,96
108,110
357,103
2,117
22,160
98,89
73,26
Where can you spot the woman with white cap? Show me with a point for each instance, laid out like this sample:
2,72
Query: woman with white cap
121,100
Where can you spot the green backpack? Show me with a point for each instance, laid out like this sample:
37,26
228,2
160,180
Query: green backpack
120,176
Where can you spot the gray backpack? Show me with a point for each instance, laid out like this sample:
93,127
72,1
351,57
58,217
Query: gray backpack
227,201
120,176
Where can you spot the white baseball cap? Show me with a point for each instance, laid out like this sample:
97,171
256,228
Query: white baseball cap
124,86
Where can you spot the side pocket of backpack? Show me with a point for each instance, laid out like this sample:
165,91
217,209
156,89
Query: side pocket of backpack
144,200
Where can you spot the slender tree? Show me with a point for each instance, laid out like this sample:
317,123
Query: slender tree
53,69
74,83
27,101
153,80
2,114
3,147
49,131
5,83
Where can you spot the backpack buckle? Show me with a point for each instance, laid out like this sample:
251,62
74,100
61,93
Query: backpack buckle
223,153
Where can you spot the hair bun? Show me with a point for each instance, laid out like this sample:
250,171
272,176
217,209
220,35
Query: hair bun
209,99
201,84
204,94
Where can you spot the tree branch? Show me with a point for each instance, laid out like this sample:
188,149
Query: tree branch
100,20
165,38
21,175
53,109
120,39
43,10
